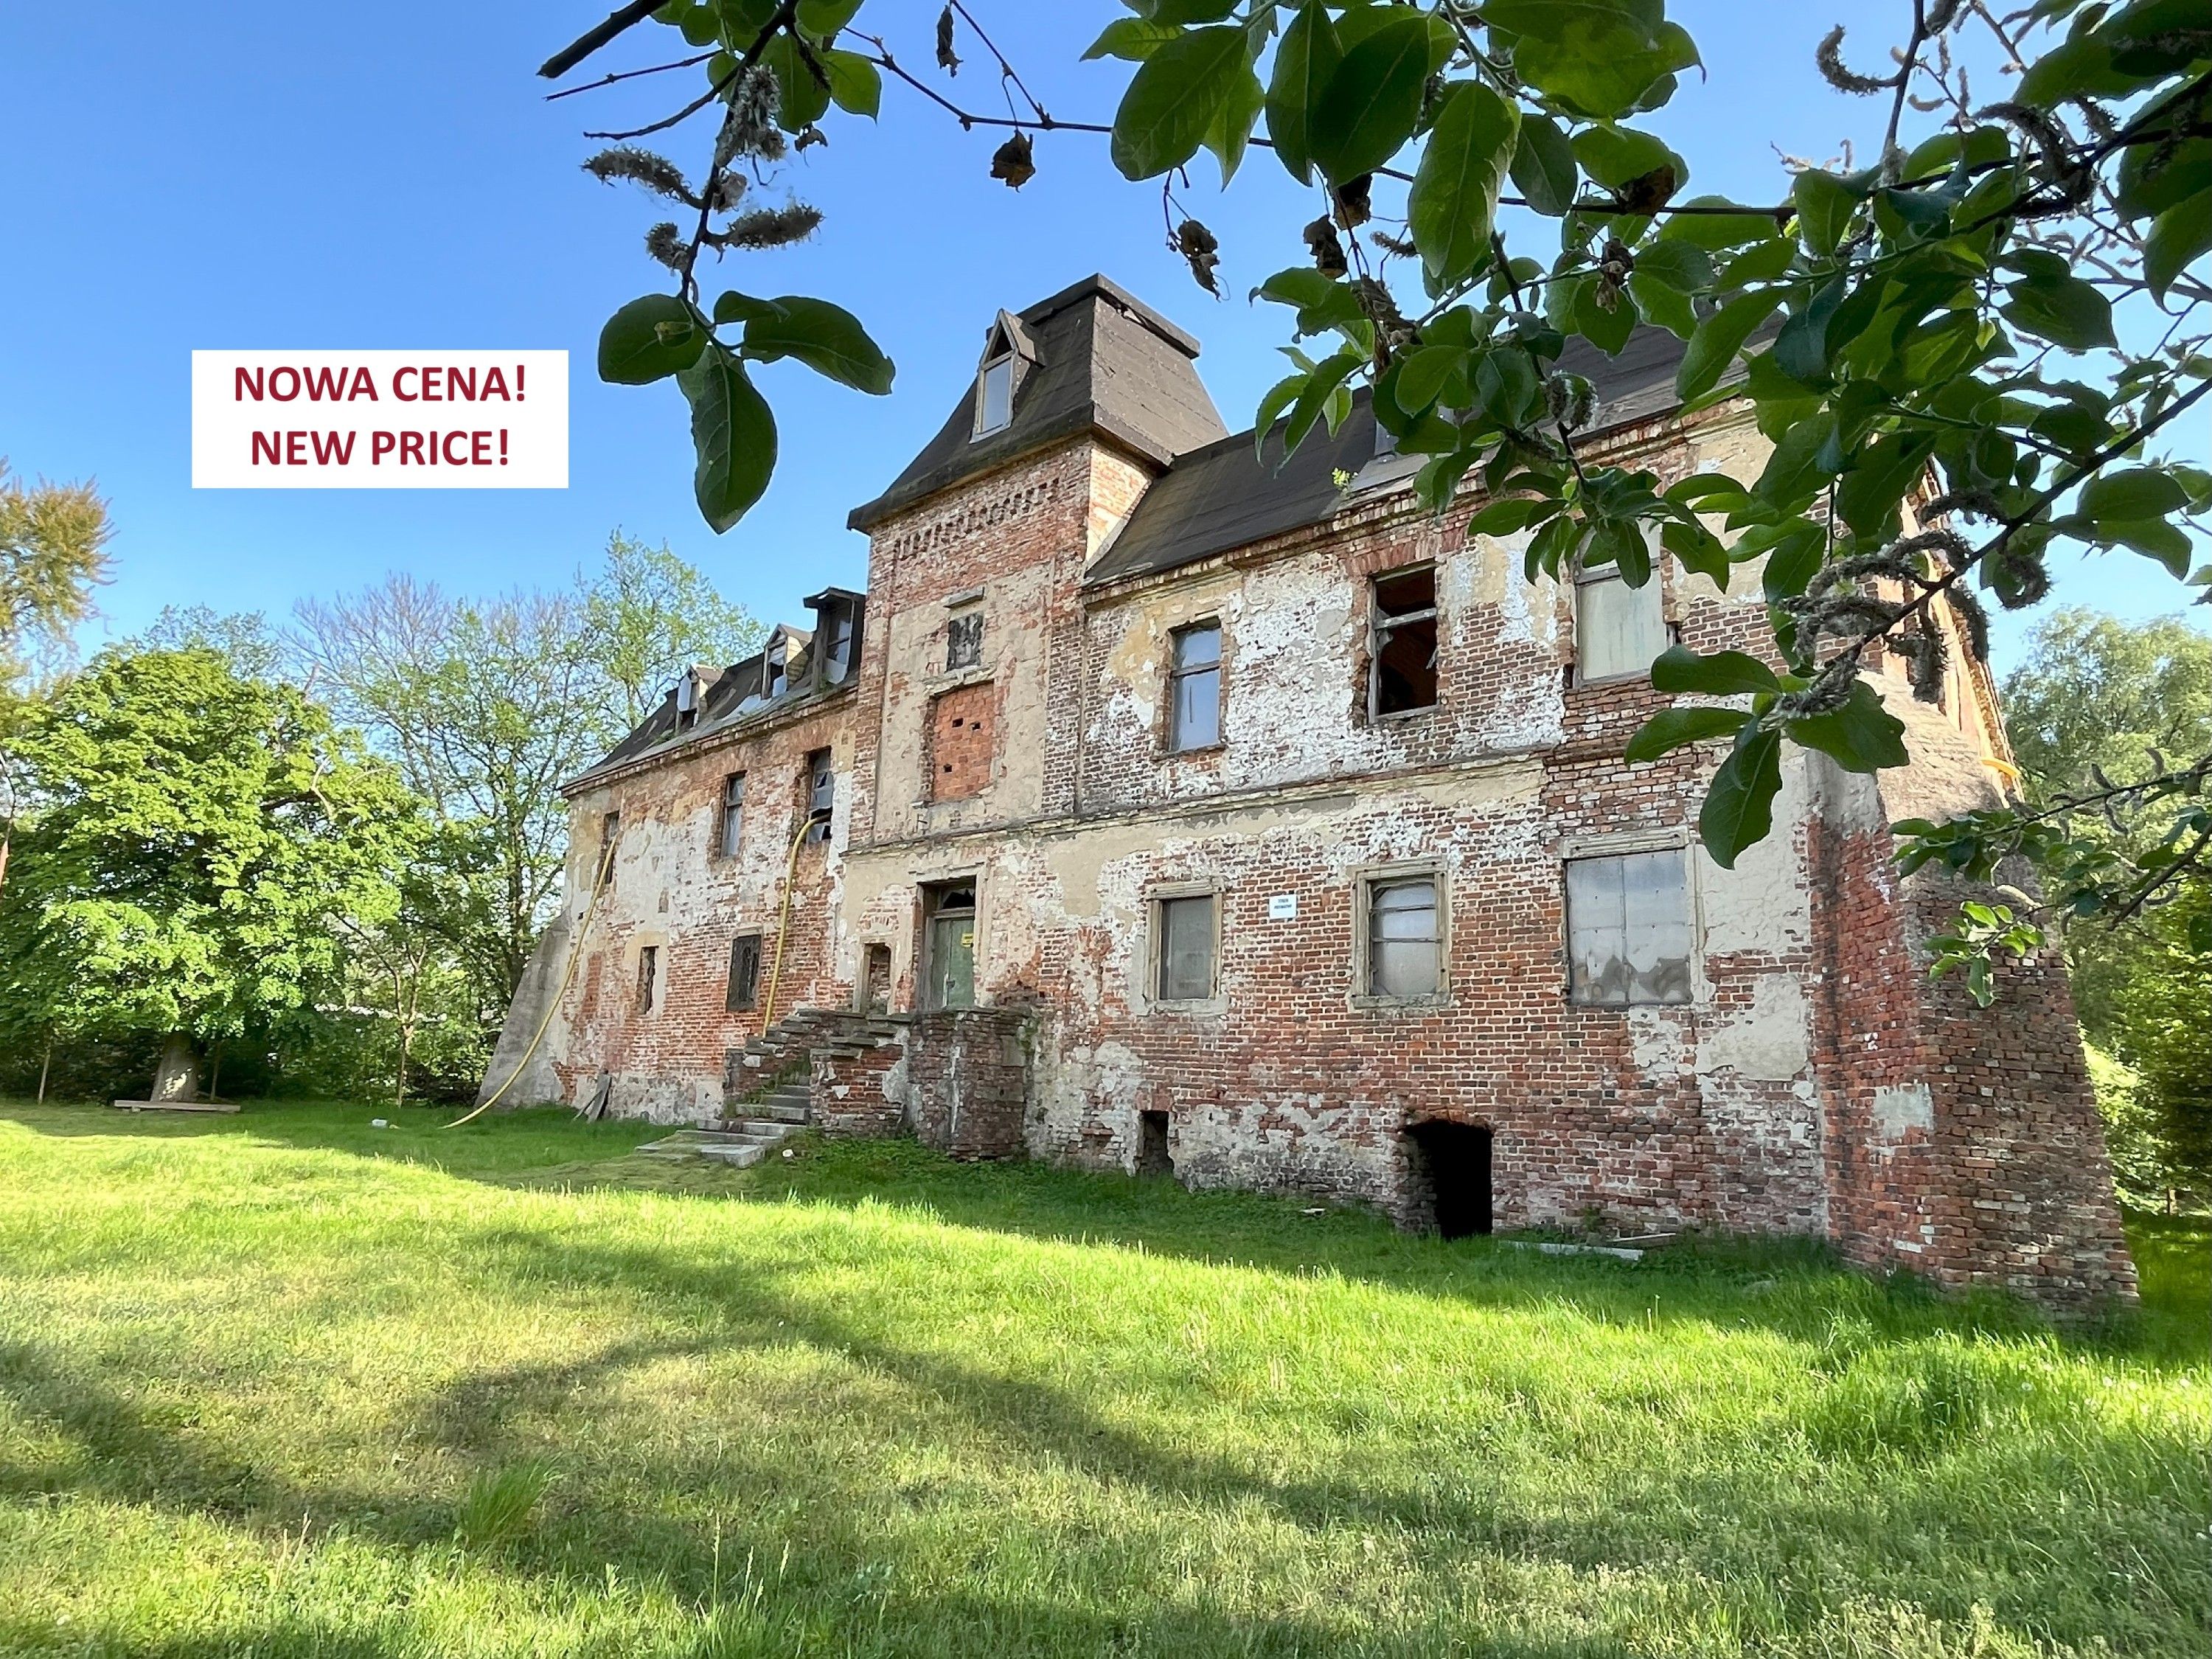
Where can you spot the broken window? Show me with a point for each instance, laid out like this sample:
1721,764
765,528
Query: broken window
610,829
995,396
837,657
648,973
1403,676
1619,630
1194,688
733,814
745,973
1403,942
964,640
1183,971
820,797
1628,928
949,946
776,666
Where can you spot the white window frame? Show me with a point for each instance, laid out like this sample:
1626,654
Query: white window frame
1156,901
1365,880
1004,358
1623,844
727,846
1378,625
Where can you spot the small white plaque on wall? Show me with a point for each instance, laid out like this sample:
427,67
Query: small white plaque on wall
1282,907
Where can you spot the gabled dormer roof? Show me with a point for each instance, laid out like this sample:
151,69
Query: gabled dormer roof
1097,360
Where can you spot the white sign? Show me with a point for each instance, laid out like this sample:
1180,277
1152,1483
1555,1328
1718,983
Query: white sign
1282,907
380,420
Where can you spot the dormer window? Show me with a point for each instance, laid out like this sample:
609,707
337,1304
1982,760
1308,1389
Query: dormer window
1008,351
995,396
775,678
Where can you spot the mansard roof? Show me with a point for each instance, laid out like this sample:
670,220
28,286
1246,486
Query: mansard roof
1105,362
1226,494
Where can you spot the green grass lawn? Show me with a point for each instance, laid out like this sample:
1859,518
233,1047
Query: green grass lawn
285,1384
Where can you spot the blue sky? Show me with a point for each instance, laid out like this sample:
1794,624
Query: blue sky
256,174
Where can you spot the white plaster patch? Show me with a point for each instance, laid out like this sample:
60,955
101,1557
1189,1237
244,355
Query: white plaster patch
1901,1108
1763,904
1657,1042
1768,1041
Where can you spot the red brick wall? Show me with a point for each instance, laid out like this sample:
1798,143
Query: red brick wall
961,751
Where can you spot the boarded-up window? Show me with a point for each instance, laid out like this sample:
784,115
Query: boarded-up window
960,753
745,973
1194,688
733,815
648,976
963,640
1628,928
1619,630
1404,942
1403,671
1185,966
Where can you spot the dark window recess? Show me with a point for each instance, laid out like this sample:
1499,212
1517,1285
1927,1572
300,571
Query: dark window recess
1194,688
1451,1161
745,973
964,640
648,974
876,979
1403,674
610,832
1153,1157
820,797
1185,968
775,667
733,814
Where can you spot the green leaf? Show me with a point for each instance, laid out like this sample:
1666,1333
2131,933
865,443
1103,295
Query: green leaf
650,339
1715,231
1368,109
1801,350
1423,374
2062,309
1279,396
2139,493
802,99
1604,58
1724,674
2153,537
820,19
1824,209
734,434
1739,807
1544,167
1875,485
2177,238
1454,199
1862,736
736,307
1305,58
1607,330
828,338
1713,347
1504,517
1672,728
1174,99
855,86
1613,156
1132,38
1232,124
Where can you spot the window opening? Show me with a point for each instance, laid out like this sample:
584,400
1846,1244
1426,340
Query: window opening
648,971
964,640
1619,630
1628,928
1184,968
1403,661
1194,688
820,797
995,396
733,814
1403,938
743,992
610,831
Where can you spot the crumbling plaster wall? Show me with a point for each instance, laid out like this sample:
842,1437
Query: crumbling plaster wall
672,888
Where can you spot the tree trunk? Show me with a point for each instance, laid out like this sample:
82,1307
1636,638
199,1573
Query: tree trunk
177,1076
45,1066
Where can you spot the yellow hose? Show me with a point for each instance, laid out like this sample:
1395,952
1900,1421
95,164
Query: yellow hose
567,977
783,921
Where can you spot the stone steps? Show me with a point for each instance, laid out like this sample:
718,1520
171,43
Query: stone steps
740,1144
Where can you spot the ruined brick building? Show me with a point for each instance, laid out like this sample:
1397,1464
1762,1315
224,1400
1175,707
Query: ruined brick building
1159,808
